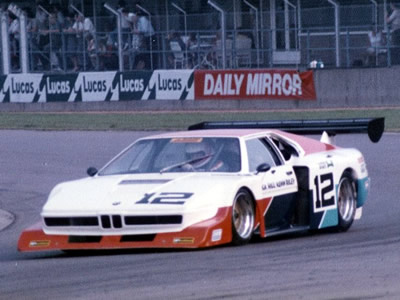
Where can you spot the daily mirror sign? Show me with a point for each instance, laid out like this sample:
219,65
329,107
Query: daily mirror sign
254,84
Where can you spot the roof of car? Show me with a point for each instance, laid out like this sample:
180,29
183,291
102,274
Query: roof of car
214,133
309,145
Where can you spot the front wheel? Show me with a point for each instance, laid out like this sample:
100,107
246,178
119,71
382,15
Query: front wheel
242,218
347,202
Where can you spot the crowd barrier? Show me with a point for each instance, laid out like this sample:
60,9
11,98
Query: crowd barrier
158,85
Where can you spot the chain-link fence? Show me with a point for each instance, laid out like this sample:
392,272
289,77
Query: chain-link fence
253,39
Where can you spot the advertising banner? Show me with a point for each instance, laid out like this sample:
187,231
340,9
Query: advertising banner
22,88
94,86
58,88
254,84
158,85
132,85
170,85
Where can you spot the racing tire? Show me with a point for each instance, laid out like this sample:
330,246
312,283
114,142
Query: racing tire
243,218
347,202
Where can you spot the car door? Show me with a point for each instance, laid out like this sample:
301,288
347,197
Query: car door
278,182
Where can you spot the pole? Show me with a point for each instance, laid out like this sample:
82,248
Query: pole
95,36
261,29
257,30
50,35
337,31
287,25
5,44
272,13
118,15
185,23
77,10
375,13
223,30
150,37
167,15
295,21
23,43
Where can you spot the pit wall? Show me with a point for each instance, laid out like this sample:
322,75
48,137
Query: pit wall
201,90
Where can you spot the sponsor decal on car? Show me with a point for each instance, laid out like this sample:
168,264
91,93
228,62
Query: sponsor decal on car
183,240
326,164
323,192
278,184
42,243
165,198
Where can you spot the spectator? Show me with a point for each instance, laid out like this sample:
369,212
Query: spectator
82,27
174,36
111,57
126,27
394,20
145,29
96,51
41,19
191,44
32,35
13,32
69,42
191,41
56,10
53,47
376,45
77,28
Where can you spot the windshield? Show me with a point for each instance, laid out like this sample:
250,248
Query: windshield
177,155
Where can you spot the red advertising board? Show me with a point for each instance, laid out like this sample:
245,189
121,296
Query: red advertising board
254,84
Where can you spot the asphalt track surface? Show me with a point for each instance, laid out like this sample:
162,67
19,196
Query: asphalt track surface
363,263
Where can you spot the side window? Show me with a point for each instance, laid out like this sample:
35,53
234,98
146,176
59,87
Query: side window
286,149
259,152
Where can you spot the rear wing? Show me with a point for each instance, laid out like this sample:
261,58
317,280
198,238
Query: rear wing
373,126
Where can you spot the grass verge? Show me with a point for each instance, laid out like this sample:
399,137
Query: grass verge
177,120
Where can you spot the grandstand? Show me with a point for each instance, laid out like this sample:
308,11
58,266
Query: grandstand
70,36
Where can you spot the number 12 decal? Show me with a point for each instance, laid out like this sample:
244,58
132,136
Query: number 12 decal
165,198
324,191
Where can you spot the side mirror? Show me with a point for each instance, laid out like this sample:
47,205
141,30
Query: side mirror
91,171
264,167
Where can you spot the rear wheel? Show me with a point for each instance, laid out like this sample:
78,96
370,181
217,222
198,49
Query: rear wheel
242,218
347,201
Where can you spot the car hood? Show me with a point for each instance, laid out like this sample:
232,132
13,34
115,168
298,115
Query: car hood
143,194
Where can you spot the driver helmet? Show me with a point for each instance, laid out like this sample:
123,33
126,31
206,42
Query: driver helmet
201,151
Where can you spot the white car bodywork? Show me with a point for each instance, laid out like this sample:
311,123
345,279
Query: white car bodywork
185,189
123,194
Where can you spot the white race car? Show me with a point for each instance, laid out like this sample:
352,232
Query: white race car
214,184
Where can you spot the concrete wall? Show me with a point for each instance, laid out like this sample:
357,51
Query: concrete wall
336,88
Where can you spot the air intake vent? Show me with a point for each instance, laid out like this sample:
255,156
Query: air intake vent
83,239
138,238
153,220
117,222
105,222
73,221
